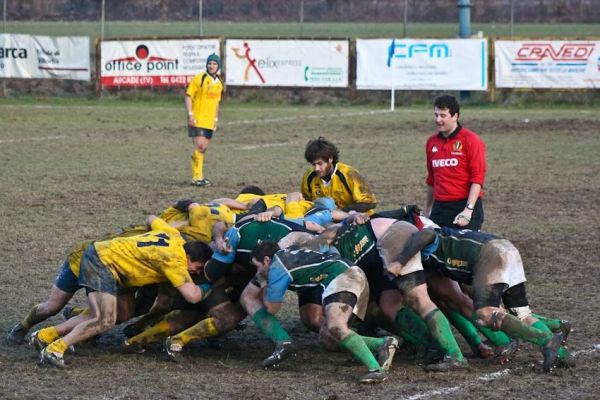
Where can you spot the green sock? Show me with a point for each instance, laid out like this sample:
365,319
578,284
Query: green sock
270,326
413,327
355,344
497,338
373,343
439,328
552,323
538,333
464,326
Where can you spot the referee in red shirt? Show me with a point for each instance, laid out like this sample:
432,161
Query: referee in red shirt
455,170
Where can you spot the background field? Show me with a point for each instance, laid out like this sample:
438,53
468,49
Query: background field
76,169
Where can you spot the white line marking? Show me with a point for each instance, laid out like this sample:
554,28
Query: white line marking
262,146
32,139
304,117
486,377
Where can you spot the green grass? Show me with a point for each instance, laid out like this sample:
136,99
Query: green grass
290,29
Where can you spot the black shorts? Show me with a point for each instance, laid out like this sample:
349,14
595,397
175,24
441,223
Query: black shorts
310,295
193,132
94,275
444,212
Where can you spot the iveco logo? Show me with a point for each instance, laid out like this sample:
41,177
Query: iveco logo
408,50
444,162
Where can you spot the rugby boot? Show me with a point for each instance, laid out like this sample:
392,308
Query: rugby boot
550,352
282,351
482,350
202,183
173,349
67,312
565,328
36,342
386,352
373,377
52,358
446,364
17,334
133,348
505,353
567,361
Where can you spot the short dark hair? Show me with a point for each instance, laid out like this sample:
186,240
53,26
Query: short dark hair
321,148
264,249
197,250
449,102
252,189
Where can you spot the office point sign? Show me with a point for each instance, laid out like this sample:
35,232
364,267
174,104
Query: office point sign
146,63
303,63
428,64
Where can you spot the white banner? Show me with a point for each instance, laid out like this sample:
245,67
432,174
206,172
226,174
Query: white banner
309,63
428,64
153,62
26,56
547,64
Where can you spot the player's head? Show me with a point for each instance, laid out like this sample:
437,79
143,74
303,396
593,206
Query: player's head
322,154
252,189
446,111
213,63
263,254
198,254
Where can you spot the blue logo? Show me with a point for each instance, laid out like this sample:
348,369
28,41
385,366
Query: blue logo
407,51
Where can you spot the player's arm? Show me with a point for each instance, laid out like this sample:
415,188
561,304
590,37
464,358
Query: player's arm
191,292
364,198
191,121
269,214
231,203
218,233
429,201
278,281
426,240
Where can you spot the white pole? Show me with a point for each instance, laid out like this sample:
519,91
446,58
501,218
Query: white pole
301,16
4,16
102,20
393,98
512,18
200,11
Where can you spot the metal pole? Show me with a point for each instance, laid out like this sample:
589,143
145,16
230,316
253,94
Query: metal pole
464,30
200,15
405,17
512,18
301,17
4,16
102,20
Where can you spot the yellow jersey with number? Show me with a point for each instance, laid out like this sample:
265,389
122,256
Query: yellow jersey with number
203,217
205,93
153,257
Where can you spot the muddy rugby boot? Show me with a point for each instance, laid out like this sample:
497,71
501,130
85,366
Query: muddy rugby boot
386,352
36,342
373,377
202,183
282,351
133,348
51,358
17,334
565,328
505,353
172,349
446,364
550,352
482,350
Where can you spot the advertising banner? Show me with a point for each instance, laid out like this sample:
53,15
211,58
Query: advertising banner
26,56
144,63
306,63
547,64
428,64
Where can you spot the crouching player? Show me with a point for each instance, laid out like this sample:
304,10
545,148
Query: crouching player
159,255
494,268
345,292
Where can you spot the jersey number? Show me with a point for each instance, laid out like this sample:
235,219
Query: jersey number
162,241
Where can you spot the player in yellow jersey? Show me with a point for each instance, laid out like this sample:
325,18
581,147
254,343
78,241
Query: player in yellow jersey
160,255
329,177
202,99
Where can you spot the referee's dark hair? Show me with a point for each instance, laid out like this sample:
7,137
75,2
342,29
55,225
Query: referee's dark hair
449,102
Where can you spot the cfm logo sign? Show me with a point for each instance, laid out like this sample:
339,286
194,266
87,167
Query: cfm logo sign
567,52
409,50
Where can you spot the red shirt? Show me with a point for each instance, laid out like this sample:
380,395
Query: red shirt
454,163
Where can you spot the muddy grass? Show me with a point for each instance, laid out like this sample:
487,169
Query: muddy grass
111,170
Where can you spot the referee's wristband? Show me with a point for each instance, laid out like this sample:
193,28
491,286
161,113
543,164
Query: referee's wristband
191,114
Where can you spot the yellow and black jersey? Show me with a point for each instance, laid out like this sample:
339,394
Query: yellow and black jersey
270,200
153,257
205,92
346,187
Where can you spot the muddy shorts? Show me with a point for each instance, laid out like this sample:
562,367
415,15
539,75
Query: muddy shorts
66,279
94,275
352,280
391,243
